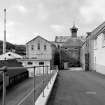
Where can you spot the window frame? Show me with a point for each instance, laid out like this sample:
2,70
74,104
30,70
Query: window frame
38,46
30,63
32,47
45,47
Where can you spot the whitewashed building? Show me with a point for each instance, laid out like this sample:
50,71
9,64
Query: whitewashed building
39,52
96,49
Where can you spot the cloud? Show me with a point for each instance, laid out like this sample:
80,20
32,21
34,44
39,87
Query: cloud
58,28
20,8
42,12
10,24
93,10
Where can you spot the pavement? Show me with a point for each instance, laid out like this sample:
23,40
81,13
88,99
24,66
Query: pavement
78,88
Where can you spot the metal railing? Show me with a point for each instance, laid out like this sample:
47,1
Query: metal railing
5,69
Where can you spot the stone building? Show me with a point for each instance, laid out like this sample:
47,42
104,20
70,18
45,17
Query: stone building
72,48
39,52
69,48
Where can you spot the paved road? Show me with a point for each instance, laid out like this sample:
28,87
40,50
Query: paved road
78,88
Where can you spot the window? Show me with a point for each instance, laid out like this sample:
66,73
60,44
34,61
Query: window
45,47
9,54
38,46
32,47
41,63
66,48
30,63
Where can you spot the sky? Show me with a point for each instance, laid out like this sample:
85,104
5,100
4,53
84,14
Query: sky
27,19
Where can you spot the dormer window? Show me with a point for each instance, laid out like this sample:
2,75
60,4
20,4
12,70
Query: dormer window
9,54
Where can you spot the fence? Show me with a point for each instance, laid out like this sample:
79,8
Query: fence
5,69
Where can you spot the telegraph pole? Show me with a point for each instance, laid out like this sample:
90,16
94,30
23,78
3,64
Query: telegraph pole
4,42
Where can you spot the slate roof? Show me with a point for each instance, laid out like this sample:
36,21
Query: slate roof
73,42
61,39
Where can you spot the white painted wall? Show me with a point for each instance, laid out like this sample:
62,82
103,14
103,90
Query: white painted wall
82,55
91,55
38,70
99,55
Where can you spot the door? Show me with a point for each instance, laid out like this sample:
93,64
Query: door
87,62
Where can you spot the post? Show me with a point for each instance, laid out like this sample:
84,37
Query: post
47,77
50,76
4,86
60,60
4,42
34,84
43,80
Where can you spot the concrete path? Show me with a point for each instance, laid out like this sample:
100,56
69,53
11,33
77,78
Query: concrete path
78,88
